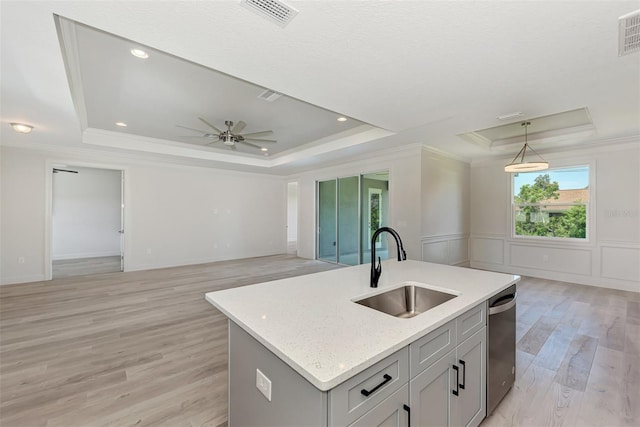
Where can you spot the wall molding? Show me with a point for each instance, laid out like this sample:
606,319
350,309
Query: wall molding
614,270
494,243
450,249
626,254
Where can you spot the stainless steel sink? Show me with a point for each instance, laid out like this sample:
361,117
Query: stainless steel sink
406,301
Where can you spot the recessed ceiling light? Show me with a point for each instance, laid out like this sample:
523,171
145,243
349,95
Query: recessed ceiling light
121,124
342,119
139,53
21,127
264,149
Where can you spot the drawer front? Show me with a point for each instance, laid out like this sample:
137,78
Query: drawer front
428,349
390,413
472,321
347,402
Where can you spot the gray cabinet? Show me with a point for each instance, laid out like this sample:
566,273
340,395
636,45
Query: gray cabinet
451,391
472,362
430,391
416,382
448,370
392,412
362,392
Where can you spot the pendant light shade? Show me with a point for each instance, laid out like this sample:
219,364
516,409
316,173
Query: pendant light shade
521,163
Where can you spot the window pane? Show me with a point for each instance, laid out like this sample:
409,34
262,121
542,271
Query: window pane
552,221
551,203
348,238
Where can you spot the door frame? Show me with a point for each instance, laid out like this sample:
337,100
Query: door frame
370,193
48,217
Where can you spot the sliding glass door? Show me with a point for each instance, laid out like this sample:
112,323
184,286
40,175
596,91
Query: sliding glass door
349,210
348,221
327,221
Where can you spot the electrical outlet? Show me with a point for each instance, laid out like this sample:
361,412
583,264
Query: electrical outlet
263,384
21,260
545,257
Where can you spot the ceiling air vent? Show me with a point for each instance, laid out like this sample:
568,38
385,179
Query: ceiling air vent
269,95
629,33
276,11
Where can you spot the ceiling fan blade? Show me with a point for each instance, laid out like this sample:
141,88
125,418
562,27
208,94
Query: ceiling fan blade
257,134
238,127
250,144
197,130
260,140
209,124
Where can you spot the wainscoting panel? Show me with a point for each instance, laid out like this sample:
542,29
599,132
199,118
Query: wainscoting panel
621,263
563,260
435,252
451,249
487,250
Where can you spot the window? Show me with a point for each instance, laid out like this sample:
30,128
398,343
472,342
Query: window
552,203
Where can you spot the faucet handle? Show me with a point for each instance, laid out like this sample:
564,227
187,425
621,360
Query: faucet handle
379,267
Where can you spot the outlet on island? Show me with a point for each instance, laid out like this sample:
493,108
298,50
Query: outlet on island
263,384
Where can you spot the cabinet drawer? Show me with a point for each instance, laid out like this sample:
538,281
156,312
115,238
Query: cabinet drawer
391,412
347,402
425,351
472,321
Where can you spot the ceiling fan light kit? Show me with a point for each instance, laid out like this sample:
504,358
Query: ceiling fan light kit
520,163
232,135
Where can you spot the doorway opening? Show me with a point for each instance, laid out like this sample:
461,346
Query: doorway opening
87,221
349,211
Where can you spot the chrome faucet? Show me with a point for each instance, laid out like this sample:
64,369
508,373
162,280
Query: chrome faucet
376,271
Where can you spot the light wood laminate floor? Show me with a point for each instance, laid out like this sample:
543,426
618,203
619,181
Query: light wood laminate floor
146,349
64,268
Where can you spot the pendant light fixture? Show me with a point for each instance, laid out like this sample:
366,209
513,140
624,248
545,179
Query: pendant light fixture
521,164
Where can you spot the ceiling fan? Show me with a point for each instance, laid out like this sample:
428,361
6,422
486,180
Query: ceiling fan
232,135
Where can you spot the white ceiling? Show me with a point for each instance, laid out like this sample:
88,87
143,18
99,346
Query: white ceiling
410,72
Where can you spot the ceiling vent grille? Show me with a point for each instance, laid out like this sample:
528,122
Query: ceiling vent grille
269,95
276,11
629,33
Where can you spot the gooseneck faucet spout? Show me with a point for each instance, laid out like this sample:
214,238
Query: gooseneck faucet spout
376,270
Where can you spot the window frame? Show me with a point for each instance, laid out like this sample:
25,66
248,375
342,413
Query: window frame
590,220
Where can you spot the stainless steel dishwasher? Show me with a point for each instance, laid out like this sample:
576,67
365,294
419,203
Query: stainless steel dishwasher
501,368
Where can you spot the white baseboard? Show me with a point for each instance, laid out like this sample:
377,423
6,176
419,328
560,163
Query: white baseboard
85,255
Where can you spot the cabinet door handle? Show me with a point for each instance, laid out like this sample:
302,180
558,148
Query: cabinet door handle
366,392
464,373
408,409
457,390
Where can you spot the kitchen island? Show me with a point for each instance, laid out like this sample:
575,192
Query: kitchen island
304,338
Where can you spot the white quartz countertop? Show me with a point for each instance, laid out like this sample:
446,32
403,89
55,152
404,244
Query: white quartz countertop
312,323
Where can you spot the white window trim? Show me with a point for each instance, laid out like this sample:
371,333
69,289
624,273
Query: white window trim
591,221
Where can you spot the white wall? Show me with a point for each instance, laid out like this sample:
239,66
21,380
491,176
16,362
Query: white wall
292,211
445,209
86,213
174,215
611,257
